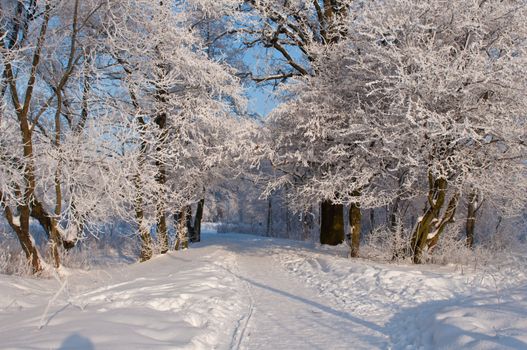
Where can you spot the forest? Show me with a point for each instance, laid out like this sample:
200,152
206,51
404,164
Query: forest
263,174
398,124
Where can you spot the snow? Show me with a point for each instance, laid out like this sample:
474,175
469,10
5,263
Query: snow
247,292
16,220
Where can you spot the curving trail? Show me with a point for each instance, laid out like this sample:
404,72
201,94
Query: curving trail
245,292
288,314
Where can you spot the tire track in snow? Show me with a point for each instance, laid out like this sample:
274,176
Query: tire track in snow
243,323
239,333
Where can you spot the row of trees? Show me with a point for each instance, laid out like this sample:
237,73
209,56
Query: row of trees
415,101
111,110
134,110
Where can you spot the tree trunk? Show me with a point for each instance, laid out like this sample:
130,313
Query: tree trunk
161,120
269,217
447,218
21,229
332,223
307,224
161,227
188,222
355,228
196,237
430,223
436,199
472,208
182,229
22,108
144,233
56,240
395,229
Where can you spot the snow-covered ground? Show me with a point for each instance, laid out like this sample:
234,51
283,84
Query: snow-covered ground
247,292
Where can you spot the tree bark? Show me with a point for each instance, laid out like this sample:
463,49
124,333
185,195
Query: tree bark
182,228
332,223
430,222
22,111
161,227
436,198
447,218
21,229
144,233
269,217
307,224
470,225
196,237
355,228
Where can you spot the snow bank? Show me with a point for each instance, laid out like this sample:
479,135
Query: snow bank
182,301
484,321
421,307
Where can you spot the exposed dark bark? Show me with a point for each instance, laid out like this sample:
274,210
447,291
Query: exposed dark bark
307,224
21,229
332,223
355,228
188,222
161,227
22,111
144,232
436,198
269,217
182,228
394,229
196,232
447,218
430,222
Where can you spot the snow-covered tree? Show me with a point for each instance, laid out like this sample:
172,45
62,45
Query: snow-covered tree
109,106
43,44
181,102
334,139
427,93
286,39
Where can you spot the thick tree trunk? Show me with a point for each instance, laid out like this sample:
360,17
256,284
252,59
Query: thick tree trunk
28,245
161,220
196,237
182,228
144,233
430,223
188,222
332,223
21,229
439,225
161,227
161,177
436,199
355,228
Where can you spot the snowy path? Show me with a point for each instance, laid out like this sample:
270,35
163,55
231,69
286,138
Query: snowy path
244,292
286,314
